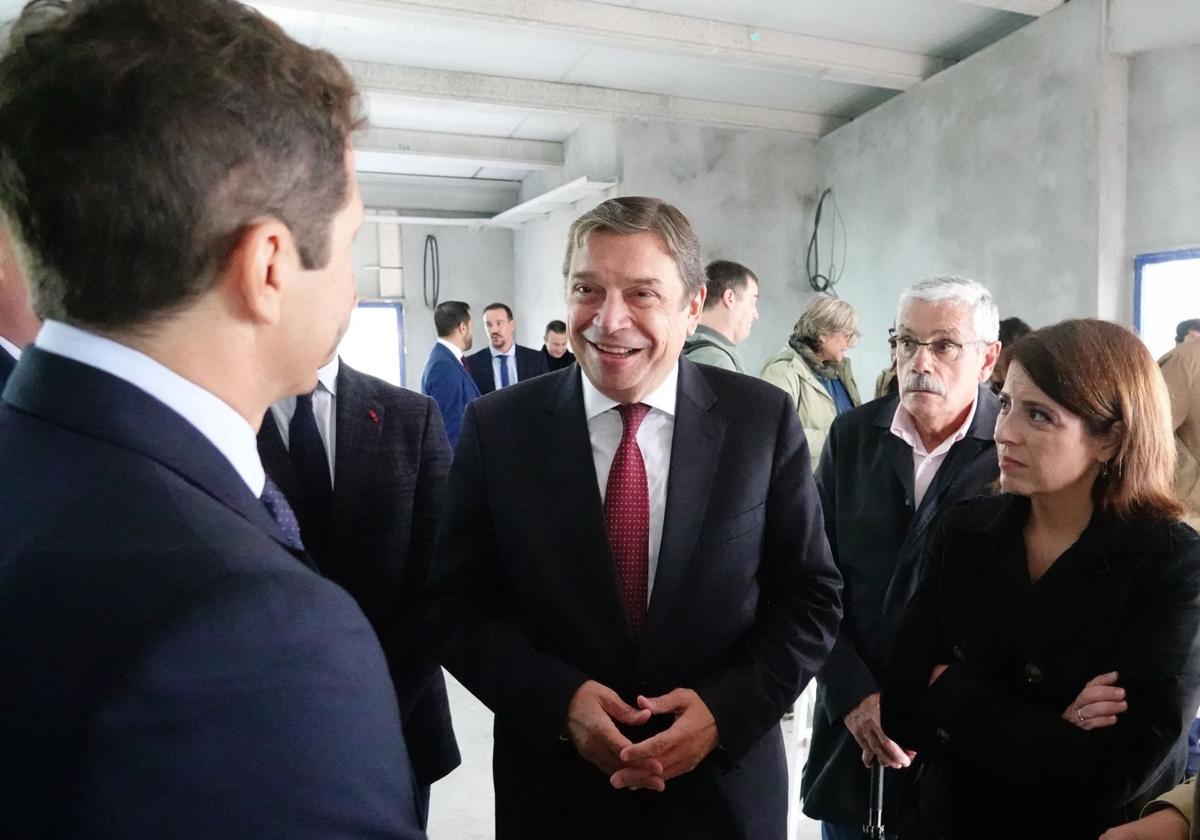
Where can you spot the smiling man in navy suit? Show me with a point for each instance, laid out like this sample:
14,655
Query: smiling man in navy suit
172,665
631,570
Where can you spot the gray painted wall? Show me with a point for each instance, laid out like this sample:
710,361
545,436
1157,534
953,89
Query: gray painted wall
994,169
477,267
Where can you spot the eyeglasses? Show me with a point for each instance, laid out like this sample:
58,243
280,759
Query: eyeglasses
943,349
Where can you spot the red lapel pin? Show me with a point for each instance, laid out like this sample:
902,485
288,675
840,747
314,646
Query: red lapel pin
374,415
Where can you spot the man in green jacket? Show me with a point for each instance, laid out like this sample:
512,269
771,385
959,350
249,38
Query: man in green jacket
730,310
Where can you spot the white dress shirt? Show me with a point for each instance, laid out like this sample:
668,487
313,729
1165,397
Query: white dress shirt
324,403
654,439
926,464
13,350
509,358
227,430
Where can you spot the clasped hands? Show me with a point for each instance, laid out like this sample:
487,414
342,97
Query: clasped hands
592,719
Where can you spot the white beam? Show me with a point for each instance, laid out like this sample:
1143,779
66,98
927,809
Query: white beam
662,32
1136,26
578,99
1034,8
491,152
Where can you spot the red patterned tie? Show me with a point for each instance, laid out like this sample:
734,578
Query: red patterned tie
627,515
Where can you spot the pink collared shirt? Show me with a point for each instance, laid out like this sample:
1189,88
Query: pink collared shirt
926,464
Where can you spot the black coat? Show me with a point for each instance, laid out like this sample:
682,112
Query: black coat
169,667
530,363
996,758
866,482
391,460
743,610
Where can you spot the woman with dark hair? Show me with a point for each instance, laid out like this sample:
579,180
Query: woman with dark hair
1048,666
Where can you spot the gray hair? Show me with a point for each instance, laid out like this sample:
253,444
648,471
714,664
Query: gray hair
628,215
824,315
985,316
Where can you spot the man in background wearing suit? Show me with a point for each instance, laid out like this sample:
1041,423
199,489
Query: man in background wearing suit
889,467
505,362
446,378
631,570
363,463
172,666
18,324
554,346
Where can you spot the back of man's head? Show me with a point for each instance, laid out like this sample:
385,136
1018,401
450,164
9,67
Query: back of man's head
1187,329
721,275
138,138
449,315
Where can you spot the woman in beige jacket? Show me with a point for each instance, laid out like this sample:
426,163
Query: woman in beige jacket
813,368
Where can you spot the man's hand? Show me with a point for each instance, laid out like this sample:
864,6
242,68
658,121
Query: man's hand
590,726
680,748
863,723
1167,824
1098,705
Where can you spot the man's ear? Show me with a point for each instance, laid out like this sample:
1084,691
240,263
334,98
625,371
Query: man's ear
262,265
991,354
694,306
729,297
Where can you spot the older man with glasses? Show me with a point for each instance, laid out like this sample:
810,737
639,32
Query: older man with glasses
887,469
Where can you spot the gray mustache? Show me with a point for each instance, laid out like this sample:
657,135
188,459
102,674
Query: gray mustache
923,382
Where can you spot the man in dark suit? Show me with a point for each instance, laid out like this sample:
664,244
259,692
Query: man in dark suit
18,323
172,665
554,346
446,378
631,570
505,362
363,464
887,470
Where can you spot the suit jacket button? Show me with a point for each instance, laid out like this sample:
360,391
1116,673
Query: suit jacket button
1033,674
943,736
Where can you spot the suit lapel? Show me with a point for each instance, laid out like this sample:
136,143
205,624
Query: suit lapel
574,508
360,419
695,454
95,403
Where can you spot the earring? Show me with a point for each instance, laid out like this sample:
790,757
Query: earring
1106,469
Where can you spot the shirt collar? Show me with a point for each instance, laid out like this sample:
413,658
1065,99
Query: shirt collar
662,397
905,428
227,430
453,348
13,350
512,348
328,375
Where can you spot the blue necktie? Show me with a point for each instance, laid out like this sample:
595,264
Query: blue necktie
504,383
308,455
276,505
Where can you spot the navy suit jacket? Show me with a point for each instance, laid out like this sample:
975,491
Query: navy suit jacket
530,363
745,605
451,386
170,668
390,467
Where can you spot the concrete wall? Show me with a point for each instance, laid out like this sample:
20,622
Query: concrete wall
1006,168
1164,151
476,267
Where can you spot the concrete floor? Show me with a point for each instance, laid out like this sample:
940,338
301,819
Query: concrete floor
461,806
